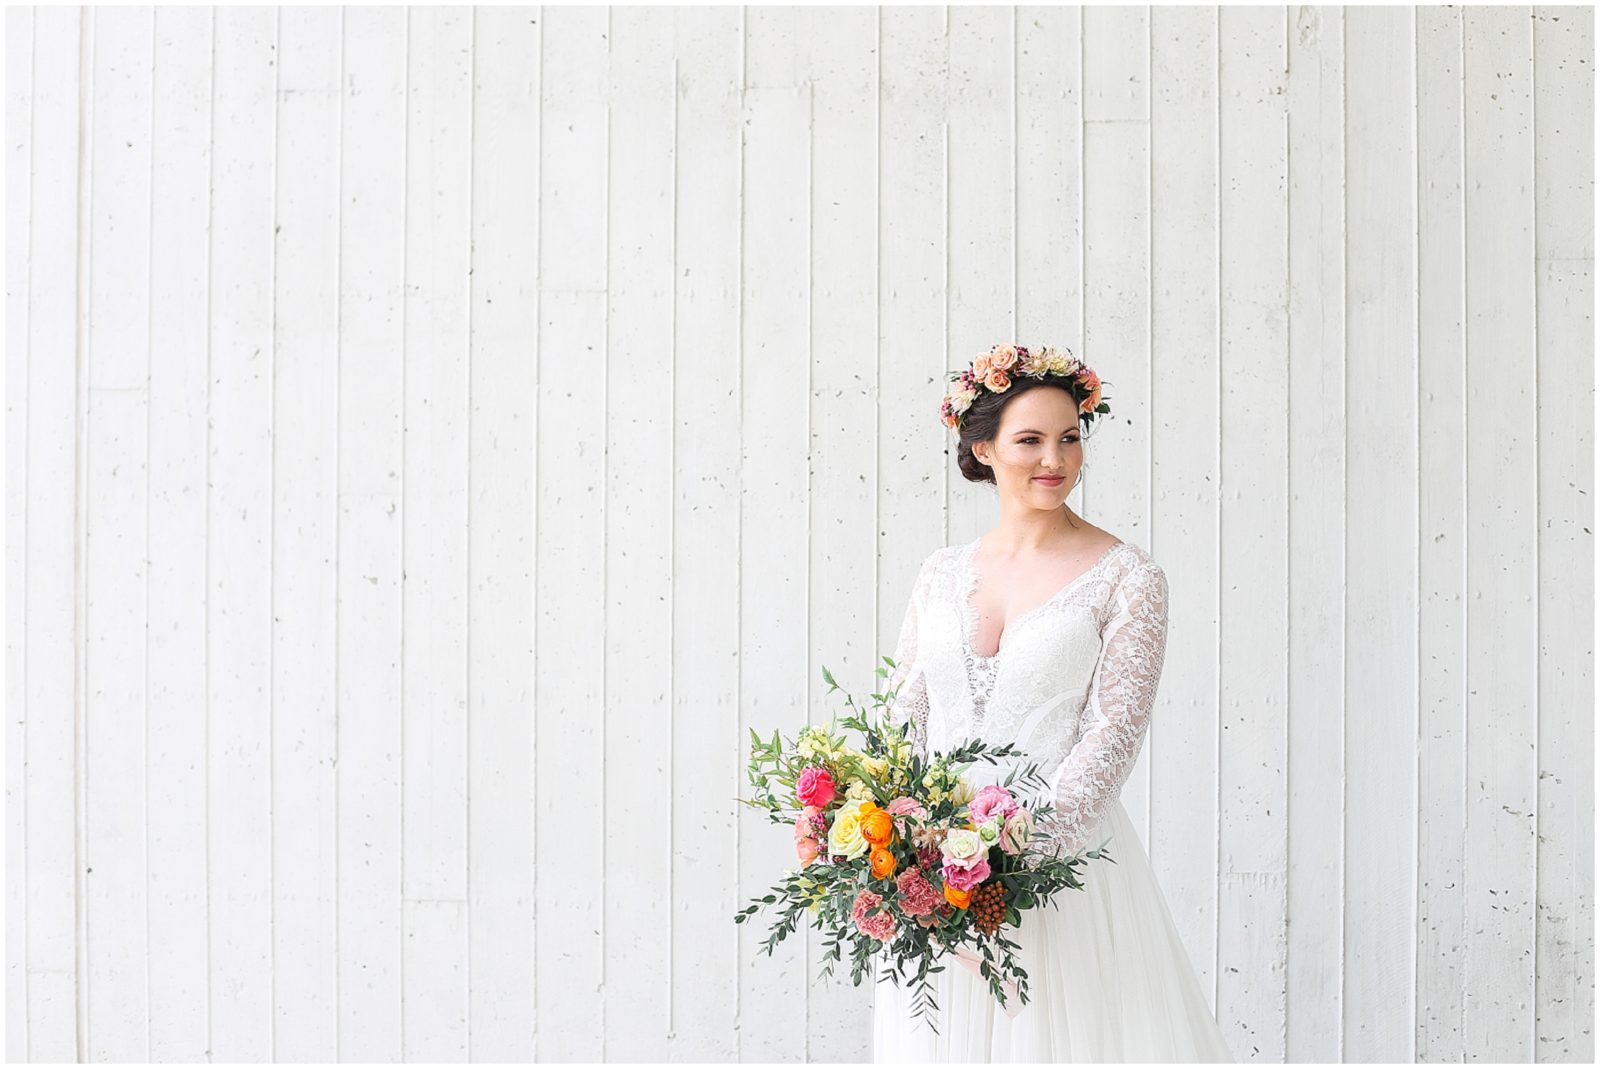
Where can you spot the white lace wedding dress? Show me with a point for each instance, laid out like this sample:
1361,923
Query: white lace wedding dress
1072,683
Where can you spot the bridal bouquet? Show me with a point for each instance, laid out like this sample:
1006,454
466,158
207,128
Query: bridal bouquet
901,855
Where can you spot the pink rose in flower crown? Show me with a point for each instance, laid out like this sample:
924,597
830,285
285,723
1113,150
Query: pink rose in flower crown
1090,382
815,787
992,801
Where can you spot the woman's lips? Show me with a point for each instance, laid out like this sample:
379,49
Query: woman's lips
1049,480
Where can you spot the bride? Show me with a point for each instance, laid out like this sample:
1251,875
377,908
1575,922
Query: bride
1049,633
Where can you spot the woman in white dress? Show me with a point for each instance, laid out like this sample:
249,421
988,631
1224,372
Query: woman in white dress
1048,633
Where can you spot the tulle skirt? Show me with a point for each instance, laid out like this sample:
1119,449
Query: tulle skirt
1109,980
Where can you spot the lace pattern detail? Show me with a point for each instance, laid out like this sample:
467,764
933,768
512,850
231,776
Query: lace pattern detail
908,681
1072,683
1117,715
982,668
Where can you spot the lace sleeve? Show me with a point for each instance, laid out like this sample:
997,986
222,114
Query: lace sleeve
906,680
1121,697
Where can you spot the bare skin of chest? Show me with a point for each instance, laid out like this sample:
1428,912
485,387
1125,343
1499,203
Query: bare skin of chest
1008,590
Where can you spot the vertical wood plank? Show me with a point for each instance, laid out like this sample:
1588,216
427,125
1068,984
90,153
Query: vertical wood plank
841,47
640,234
915,450
1502,683
434,786
980,209
1252,570
20,141
305,459
53,702
1116,290
116,451
1049,120
706,569
1181,745
505,235
239,533
1380,539
778,355
1441,523
372,228
1563,234
179,268
573,466
1316,506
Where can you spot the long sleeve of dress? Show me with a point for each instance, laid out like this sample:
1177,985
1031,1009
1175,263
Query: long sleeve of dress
1121,697
910,704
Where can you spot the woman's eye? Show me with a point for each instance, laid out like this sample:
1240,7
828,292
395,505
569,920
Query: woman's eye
1031,439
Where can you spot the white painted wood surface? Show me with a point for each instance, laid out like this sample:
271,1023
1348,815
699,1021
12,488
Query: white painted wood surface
436,437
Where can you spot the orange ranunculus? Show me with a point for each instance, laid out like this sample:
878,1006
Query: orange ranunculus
882,862
957,897
877,826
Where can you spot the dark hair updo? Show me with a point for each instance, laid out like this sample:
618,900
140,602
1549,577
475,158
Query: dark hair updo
981,423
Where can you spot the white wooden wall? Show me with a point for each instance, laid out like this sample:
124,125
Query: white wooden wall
435,437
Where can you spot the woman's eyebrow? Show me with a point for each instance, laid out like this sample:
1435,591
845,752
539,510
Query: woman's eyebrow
1069,430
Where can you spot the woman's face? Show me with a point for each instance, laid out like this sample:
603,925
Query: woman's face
1038,437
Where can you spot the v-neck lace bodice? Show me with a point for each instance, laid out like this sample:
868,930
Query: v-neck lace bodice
970,578
1072,681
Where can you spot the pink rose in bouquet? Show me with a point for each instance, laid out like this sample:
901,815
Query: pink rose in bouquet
966,877
903,808
1016,832
992,801
815,787
907,807
806,828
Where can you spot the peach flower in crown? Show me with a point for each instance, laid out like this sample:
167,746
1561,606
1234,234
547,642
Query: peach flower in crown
995,371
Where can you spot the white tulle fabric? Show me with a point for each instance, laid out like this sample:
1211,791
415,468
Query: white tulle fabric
1073,683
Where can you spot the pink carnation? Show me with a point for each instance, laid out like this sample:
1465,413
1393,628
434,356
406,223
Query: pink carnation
966,878
815,787
917,896
879,926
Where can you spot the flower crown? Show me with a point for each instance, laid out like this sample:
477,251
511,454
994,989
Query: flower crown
994,370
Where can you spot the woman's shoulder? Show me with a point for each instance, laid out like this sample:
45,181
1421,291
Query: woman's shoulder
940,558
1135,567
